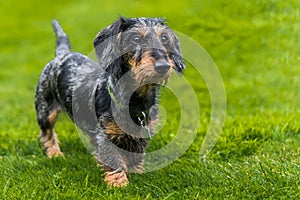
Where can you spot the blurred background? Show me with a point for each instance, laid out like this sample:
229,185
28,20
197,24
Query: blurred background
255,44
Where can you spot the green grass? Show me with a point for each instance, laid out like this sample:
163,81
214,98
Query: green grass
256,46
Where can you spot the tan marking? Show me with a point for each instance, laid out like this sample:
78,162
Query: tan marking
171,64
49,138
53,117
116,179
142,32
142,91
159,30
144,69
112,129
132,63
51,144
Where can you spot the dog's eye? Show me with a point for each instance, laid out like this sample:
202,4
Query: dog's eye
164,39
136,39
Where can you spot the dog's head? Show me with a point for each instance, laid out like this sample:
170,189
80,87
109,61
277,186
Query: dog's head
144,46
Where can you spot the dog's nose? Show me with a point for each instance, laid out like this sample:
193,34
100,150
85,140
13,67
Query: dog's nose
162,67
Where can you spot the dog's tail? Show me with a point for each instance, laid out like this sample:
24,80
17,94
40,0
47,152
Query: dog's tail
63,45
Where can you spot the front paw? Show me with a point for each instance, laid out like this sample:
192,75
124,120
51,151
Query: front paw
116,179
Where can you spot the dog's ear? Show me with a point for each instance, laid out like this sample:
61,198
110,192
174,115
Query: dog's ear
110,31
106,43
176,56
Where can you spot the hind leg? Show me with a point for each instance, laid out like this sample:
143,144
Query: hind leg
49,138
47,110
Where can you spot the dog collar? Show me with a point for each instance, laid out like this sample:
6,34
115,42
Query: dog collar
142,118
121,105
114,98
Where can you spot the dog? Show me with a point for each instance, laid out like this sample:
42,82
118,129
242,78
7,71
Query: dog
118,114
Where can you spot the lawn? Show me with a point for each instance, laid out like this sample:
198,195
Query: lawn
256,47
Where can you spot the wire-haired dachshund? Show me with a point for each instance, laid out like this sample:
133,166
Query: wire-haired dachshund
115,101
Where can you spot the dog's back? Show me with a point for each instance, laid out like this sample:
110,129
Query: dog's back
55,90
67,70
